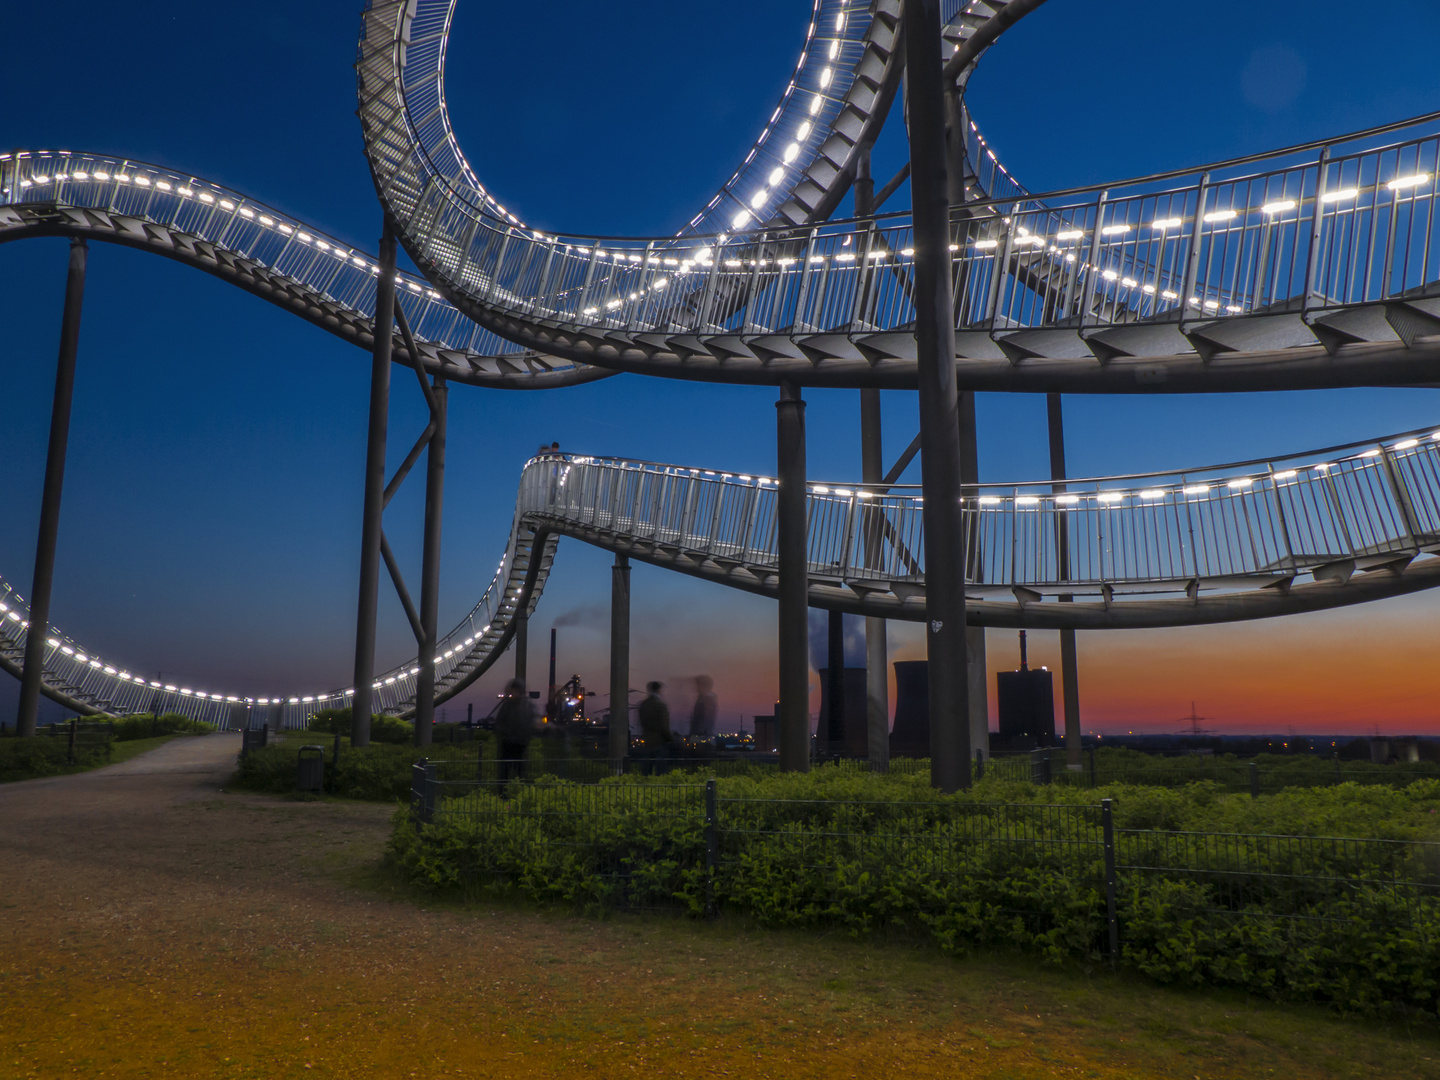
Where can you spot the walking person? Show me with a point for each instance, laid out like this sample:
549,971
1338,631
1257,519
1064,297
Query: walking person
702,717
514,728
654,717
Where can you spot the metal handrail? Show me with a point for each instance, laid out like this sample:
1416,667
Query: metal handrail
1207,531
1210,251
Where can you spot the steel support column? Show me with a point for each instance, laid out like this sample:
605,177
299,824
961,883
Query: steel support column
1069,665
619,662
877,661
793,714
872,471
430,567
522,645
833,741
371,521
36,637
978,675
939,413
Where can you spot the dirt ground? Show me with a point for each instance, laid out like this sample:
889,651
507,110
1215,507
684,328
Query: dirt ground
153,924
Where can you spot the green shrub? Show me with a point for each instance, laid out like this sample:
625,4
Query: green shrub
146,726
999,866
383,729
47,755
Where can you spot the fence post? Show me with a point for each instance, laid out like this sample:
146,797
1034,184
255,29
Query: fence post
70,750
1040,766
711,845
1107,822
422,791
1254,780
979,764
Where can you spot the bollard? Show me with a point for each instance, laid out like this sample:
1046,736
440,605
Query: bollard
70,750
1107,822
310,769
1254,780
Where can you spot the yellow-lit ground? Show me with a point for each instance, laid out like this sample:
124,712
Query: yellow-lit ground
152,925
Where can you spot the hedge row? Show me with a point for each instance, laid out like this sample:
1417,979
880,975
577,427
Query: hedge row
865,854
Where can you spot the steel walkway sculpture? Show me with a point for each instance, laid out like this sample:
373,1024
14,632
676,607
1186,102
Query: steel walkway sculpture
1324,529
1308,267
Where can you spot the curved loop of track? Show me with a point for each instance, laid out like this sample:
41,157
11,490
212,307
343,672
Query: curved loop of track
1258,539
1301,270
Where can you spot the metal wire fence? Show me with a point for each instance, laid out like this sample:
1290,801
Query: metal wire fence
1061,877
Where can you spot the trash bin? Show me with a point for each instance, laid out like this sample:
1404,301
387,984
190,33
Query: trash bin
310,769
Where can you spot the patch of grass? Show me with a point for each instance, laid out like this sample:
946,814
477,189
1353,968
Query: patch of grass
133,748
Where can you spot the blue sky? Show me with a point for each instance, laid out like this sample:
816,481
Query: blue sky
211,512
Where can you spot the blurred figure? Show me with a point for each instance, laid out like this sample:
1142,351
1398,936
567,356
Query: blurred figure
514,727
702,716
654,717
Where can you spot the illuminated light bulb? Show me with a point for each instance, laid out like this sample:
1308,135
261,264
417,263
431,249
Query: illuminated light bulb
322,245
845,256
122,178
143,181
815,103
1287,474
986,245
1027,500
1167,223
1278,207
226,204
53,643
954,247
160,184
834,49
1234,309
1324,466
877,256
1220,215
206,197
99,175
246,212
1067,500
817,258
1241,483
1114,230
1153,493
304,237
1129,283
1069,258
758,200
907,252
1403,182
1370,453
802,132
844,491
989,500
1148,289
1406,444
819,489
1109,275
78,175
826,76
1168,295
357,260
776,174
1339,196
1110,496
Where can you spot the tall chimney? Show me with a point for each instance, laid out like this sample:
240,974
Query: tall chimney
1023,665
550,701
